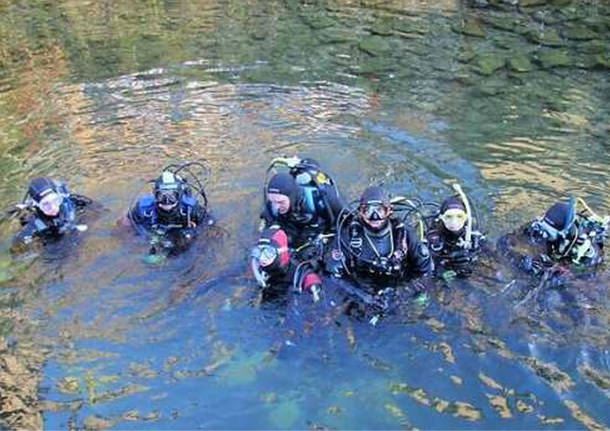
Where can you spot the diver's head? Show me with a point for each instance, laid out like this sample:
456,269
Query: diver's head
375,208
281,194
453,214
556,223
167,191
46,196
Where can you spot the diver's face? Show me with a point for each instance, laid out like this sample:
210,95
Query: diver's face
279,203
454,219
51,204
375,215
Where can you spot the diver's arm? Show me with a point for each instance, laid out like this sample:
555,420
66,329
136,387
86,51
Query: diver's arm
419,261
25,237
532,264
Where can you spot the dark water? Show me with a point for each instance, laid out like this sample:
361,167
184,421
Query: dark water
512,102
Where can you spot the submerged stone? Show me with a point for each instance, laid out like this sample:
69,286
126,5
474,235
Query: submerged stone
549,37
336,35
487,64
523,407
579,33
582,417
601,61
469,27
554,58
466,411
521,63
500,405
318,22
531,3
593,47
501,23
383,27
409,25
375,45
492,87
598,377
550,373
95,423
489,381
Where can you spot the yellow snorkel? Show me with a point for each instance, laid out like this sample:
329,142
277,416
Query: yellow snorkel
468,230
594,216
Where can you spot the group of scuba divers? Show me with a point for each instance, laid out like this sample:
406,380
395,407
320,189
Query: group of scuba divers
384,246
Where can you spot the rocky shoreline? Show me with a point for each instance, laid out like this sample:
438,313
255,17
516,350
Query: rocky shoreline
20,376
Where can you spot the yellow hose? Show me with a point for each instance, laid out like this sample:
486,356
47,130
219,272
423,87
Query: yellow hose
468,233
595,216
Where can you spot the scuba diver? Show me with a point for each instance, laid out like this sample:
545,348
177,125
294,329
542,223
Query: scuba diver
563,243
301,205
378,249
173,214
48,212
453,242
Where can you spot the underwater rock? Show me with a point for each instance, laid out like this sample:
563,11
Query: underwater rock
550,421
68,385
383,27
582,417
597,377
500,23
53,406
95,423
375,65
492,87
554,58
523,407
487,64
500,405
131,415
601,61
142,370
336,35
457,380
531,3
447,352
490,382
549,37
466,411
375,45
394,411
521,63
409,26
593,47
469,27
579,33
434,324
550,373
333,410
318,22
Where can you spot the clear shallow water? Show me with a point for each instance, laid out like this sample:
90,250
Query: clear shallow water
105,95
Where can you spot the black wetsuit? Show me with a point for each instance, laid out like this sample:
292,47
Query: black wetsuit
171,230
37,225
314,210
450,252
579,253
379,259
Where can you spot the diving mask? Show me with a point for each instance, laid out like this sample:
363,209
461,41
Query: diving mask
454,219
50,204
264,254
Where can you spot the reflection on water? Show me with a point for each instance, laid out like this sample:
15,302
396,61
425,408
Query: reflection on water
413,94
